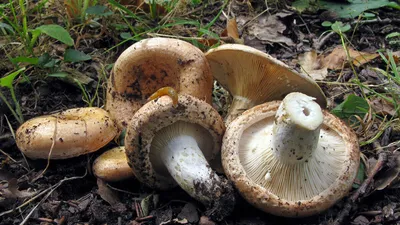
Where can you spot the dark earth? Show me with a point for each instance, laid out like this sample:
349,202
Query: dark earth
73,195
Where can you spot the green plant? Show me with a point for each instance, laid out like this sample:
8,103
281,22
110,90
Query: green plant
26,35
343,9
7,82
394,38
145,29
76,9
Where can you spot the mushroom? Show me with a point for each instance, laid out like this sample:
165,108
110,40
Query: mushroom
151,64
169,145
66,134
112,165
290,158
253,77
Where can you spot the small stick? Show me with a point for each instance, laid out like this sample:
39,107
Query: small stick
359,194
144,218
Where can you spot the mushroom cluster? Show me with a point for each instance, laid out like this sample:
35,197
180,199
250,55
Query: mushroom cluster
282,152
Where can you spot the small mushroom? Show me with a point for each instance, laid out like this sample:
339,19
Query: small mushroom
67,134
169,144
150,64
112,165
253,77
290,158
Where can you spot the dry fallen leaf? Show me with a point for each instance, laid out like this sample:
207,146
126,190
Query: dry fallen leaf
229,35
338,57
106,193
311,65
382,107
269,29
389,177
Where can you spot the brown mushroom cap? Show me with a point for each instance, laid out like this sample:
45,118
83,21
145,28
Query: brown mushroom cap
292,190
151,64
254,77
159,114
112,165
74,132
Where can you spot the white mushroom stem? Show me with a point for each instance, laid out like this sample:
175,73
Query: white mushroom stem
178,149
296,128
239,104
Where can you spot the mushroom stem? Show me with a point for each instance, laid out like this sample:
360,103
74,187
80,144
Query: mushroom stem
296,128
239,104
188,166
180,152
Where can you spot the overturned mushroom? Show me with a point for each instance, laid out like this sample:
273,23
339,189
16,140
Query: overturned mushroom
253,77
290,158
169,144
67,134
151,64
112,165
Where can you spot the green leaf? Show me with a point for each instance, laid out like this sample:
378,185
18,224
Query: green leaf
72,55
7,27
339,27
368,15
360,177
392,35
125,35
301,5
8,80
353,105
98,10
57,32
58,75
355,7
23,59
326,24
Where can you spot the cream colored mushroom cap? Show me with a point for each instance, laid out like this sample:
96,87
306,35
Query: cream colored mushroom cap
296,190
112,165
74,132
151,64
250,73
158,114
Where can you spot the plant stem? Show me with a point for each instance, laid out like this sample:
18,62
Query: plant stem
20,121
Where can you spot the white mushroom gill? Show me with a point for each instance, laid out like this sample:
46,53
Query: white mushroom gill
178,147
289,170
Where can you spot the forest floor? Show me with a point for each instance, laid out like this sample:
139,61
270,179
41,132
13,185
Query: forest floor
67,192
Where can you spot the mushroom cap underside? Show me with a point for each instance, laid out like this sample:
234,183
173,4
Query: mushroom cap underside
288,190
250,73
151,64
158,114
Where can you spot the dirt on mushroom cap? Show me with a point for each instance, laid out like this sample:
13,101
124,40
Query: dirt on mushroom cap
68,134
151,64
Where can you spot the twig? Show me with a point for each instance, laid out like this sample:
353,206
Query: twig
15,161
13,134
359,194
144,218
54,187
40,194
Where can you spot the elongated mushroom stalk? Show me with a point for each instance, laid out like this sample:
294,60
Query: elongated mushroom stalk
180,152
171,144
296,128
